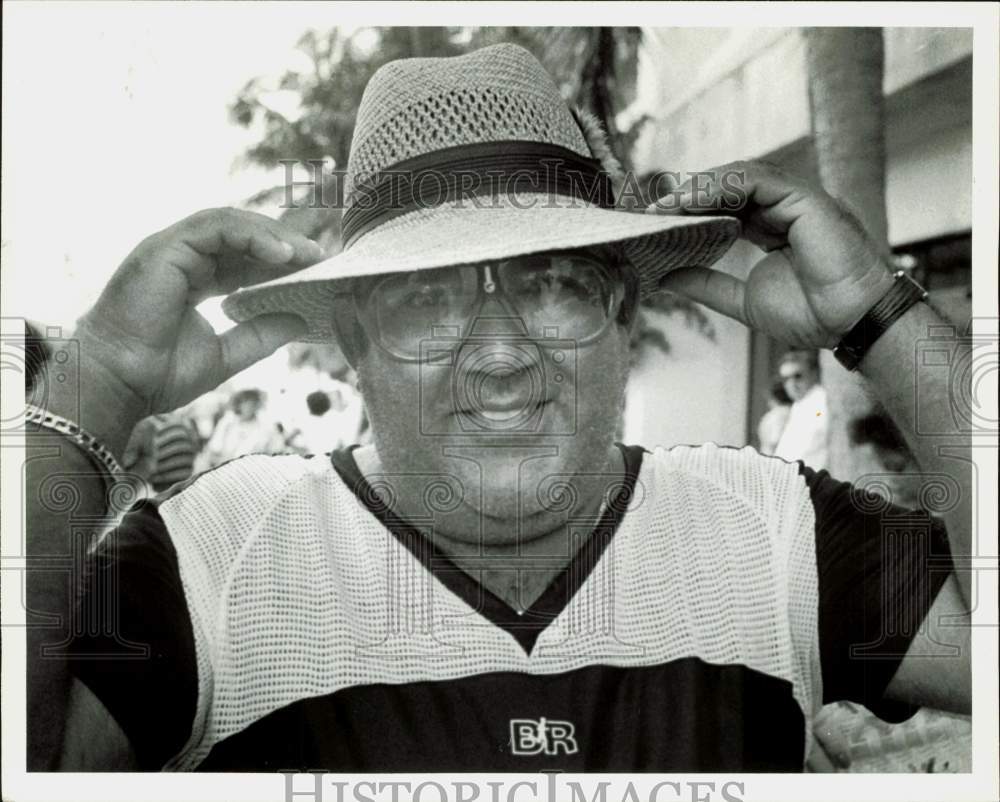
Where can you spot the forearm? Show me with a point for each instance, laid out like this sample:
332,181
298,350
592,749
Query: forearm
64,506
919,397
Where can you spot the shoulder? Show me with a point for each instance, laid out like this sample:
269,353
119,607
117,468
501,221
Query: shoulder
236,491
244,486
221,521
732,489
742,470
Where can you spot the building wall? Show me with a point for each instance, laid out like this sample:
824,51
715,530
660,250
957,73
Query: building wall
929,187
697,392
715,96
679,397
714,99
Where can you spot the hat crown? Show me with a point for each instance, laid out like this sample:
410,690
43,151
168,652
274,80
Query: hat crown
420,105
446,114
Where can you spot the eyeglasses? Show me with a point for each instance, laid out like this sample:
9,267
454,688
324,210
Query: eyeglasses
545,297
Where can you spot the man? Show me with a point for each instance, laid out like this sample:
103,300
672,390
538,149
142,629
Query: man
494,584
244,429
805,432
162,450
330,424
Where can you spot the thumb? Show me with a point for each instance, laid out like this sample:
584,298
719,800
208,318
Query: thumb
254,339
712,288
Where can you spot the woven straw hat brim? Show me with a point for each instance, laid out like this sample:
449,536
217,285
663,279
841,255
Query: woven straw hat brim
462,234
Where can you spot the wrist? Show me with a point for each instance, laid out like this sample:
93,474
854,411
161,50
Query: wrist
80,389
895,301
893,354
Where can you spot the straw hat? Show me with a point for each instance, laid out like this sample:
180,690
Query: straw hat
471,158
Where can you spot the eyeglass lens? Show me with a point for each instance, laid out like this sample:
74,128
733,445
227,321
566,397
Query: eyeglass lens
554,295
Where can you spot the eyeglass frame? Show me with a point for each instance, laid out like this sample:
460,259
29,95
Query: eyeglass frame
608,260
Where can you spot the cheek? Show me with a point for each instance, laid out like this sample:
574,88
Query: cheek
390,393
611,364
601,379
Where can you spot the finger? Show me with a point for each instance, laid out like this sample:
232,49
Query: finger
304,251
819,761
256,236
130,456
219,250
254,339
764,196
712,288
138,443
667,206
669,203
234,231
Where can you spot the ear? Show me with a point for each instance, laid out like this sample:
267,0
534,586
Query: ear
597,141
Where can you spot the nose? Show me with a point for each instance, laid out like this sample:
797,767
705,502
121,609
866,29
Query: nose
496,362
499,386
496,318
498,377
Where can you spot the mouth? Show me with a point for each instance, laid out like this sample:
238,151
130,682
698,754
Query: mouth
501,397
499,411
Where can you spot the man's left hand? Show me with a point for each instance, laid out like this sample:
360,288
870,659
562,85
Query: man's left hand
822,273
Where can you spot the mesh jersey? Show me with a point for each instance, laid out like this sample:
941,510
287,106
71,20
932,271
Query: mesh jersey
291,621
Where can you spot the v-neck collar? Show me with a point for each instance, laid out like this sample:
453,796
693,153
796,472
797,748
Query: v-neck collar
524,627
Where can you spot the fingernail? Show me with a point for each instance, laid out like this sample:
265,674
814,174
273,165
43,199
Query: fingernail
288,248
317,248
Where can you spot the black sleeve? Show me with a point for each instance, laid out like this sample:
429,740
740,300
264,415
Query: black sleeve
133,644
880,567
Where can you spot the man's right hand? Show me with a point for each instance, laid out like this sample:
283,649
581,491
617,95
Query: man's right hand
144,348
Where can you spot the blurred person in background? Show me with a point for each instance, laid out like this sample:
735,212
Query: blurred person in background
205,412
36,352
319,368
323,429
162,450
805,431
244,429
772,423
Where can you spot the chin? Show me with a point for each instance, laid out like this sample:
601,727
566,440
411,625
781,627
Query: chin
523,478
505,517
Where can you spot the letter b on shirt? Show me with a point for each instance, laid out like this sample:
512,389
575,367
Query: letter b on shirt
542,736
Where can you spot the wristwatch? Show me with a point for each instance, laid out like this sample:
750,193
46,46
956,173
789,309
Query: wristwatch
903,294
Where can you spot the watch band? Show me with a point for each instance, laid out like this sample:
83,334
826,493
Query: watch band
903,294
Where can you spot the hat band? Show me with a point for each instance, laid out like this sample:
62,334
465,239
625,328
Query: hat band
467,172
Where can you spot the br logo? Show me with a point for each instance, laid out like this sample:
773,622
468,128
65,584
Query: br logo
544,736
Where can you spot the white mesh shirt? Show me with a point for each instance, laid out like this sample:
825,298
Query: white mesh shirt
296,590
